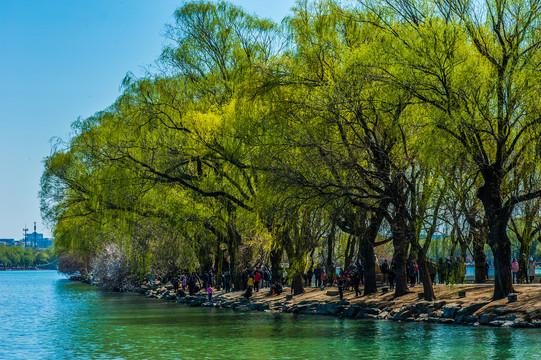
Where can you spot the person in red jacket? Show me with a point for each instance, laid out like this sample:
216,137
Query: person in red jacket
257,279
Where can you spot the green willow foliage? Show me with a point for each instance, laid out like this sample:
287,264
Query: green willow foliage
312,139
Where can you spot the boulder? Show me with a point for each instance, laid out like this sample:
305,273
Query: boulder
485,319
500,312
402,315
439,304
361,314
373,311
470,310
536,324
351,311
449,312
423,306
520,323
383,315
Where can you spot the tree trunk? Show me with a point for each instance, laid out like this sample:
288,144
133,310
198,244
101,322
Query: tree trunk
428,289
402,235
234,240
350,250
330,245
525,246
479,258
497,218
503,281
275,258
369,264
367,245
297,284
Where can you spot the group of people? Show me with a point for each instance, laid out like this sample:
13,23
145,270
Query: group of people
259,278
526,275
448,271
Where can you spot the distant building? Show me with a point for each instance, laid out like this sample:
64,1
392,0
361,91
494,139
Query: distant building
36,239
7,242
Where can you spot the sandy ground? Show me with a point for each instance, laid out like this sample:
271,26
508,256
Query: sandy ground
528,297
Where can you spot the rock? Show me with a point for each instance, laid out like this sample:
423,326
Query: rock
449,312
361,314
511,318
445,321
536,323
506,323
332,293
354,309
402,315
295,310
470,310
373,311
289,297
485,319
439,304
499,312
343,302
471,319
423,306
497,322
520,323
383,315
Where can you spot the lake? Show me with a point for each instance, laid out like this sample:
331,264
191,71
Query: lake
45,316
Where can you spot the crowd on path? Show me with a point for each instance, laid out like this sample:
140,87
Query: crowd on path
449,271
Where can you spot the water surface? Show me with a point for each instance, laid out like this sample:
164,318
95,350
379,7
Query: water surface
45,316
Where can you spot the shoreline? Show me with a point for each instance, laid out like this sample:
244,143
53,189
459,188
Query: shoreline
475,309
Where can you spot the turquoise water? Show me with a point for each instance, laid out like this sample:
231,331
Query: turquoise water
470,273
44,316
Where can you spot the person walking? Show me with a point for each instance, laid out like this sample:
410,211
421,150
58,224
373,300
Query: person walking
384,271
257,279
392,274
317,275
531,270
514,268
210,291
340,284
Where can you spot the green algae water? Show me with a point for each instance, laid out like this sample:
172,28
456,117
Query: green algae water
45,316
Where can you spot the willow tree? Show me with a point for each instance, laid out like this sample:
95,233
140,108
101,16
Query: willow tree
345,130
477,64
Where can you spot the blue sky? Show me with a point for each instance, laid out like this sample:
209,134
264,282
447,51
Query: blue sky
61,60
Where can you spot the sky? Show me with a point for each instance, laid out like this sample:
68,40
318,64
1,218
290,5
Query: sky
61,60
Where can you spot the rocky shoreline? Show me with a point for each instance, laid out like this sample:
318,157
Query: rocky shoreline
409,308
